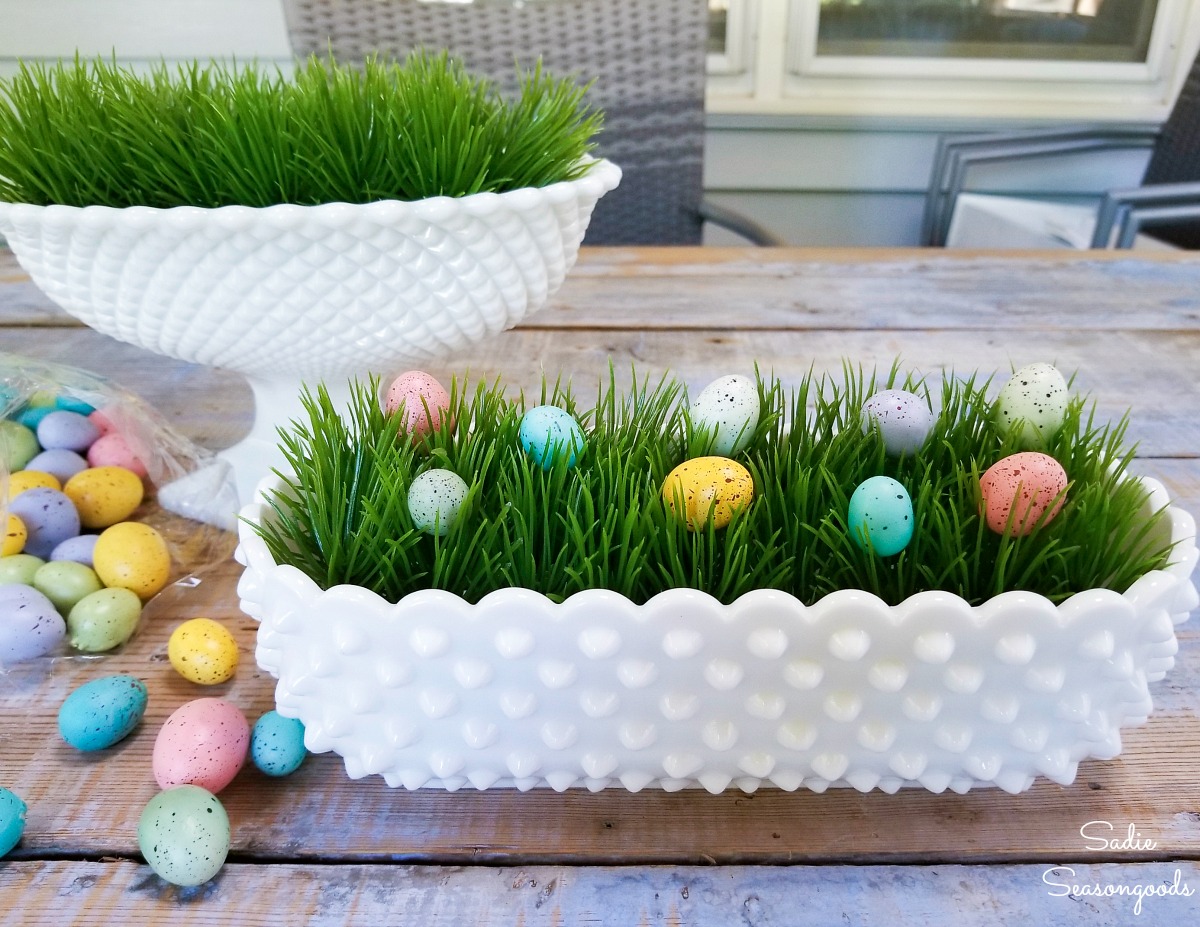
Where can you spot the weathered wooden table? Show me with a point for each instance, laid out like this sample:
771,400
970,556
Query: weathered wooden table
317,848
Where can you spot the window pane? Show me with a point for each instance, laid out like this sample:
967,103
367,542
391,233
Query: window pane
718,26
1071,30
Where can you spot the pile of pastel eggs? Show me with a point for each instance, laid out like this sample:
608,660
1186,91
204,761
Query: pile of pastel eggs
72,565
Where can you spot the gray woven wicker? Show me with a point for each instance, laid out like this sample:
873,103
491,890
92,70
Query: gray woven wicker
647,58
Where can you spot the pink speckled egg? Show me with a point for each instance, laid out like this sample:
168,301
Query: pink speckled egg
1025,485
102,422
112,450
417,392
203,743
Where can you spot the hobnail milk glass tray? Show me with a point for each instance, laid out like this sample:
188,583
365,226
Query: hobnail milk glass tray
288,293
599,692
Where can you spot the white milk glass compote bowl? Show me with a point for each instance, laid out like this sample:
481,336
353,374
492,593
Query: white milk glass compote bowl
289,295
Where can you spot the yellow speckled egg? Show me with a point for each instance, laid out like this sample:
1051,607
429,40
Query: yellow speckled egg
203,651
15,536
104,495
132,556
28,479
713,487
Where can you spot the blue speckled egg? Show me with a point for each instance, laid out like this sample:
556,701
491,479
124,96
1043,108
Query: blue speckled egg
30,625
184,835
102,712
549,433
881,511
59,463
728,409
12,821
903,420
277,744
67,430
49,516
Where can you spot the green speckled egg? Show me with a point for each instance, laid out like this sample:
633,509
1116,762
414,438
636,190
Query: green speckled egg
19,569
1035,401
103,619
184,835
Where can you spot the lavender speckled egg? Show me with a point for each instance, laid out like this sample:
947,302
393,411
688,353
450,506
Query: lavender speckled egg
435,501
30,625
59,463
549,433
49,518
12,821
67,430
102,712
277,744
184,835
903,420
203,743
80,549
1034,400
881,511
1018,490
728,410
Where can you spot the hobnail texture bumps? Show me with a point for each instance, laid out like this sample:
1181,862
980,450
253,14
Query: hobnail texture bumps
315,291
598,692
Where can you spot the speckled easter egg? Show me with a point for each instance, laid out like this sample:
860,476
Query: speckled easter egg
102,712
709,488
19,569
903,420
31,416
184,835
30,479
67,430
12,821
277,744
881,515
727,409
65,582
30,625
18,446
15,536
133,556
49,518
424,399
112,450
104,496
73,404
1022,487
203,651
102,419
81,549
1035,401
549,433
103,619
435,501
59,462
203,743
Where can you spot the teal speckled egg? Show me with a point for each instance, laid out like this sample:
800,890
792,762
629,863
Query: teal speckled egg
102,712
549,433
277,744
881,510
184,835
12,821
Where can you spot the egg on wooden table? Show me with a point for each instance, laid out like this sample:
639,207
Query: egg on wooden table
184,835
277,744
204,742
880,516
12,820
102,712
902,419
708,488
104,619
203,651
1021,490
728,410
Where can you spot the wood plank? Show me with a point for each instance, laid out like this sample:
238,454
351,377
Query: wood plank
1151,374
89,803
812,289
102,893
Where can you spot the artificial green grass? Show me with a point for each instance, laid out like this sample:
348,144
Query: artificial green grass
93,133
343,516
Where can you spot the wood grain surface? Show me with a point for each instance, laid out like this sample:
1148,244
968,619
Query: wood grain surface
326,849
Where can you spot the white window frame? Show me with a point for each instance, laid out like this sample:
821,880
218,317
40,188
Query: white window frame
789,77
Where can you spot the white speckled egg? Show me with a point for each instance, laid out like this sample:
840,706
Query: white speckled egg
728,410
881,510
1017,491
184,835
435,501
903,420
1035,400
